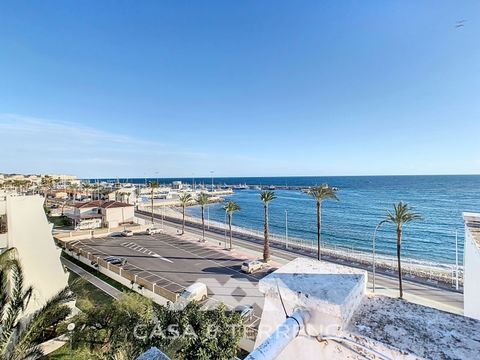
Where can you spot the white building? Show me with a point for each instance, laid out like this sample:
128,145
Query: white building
98,213
471,284
24,226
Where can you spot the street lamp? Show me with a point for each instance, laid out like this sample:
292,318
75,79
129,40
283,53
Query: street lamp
374,238
70,328
286,229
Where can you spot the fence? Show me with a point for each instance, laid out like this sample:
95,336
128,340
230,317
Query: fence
96,261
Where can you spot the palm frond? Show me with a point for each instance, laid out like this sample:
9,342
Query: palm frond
323,192
401,215
267,196
202,199
231,207
185,198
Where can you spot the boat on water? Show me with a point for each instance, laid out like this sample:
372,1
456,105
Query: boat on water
241,187
256,187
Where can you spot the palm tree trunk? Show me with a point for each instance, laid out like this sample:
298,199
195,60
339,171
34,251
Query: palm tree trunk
203,224
230,226
399,242
319,220
266,247
183,220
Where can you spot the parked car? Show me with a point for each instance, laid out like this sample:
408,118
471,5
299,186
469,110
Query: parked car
127,233
197,292
153,230
115,260
250,266
245,311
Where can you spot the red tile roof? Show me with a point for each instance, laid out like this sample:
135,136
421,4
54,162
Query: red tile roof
103,204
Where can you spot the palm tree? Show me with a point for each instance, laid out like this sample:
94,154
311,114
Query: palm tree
266,197
202,200
402,215
320,193
20,336
185,198
74,190
152,185
230,207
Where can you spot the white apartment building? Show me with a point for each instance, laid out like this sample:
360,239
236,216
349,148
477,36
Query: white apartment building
24,226
471,284
98,213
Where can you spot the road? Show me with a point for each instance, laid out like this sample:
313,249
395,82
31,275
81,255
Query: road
424,294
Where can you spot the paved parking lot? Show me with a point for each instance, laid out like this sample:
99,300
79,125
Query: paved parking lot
174,263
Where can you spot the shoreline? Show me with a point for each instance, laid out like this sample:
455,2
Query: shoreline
412,269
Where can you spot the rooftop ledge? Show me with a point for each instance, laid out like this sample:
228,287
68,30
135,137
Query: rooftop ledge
338,305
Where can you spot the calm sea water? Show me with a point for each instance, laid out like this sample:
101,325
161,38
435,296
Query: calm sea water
363,200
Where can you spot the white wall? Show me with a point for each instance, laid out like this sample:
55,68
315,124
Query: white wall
31,234
114,216
471,289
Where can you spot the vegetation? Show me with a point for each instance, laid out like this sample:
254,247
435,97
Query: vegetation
152,185
185,198
87,295
401,215
231,207
266,197
202,200
321,193
128,327
20,336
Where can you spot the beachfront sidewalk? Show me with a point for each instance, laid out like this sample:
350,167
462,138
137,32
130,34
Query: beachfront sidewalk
385,285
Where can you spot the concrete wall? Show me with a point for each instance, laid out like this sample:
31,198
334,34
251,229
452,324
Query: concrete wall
471,290
31,234
114,216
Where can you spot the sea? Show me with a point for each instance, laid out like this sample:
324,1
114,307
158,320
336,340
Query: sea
363,201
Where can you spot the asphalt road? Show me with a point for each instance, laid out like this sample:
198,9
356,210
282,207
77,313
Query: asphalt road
175,263
425,294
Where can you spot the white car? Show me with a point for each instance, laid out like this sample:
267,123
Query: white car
251,266
153,230
127,233
194,292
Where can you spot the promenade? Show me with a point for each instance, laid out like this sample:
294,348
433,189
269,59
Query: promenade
385,284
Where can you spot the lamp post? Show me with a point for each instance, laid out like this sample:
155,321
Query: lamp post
70,328
286,229
374,238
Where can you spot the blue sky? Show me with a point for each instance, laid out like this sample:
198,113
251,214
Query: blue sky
243,88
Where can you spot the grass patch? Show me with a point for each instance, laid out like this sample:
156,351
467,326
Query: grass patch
63,353
96,273
60,222
88,295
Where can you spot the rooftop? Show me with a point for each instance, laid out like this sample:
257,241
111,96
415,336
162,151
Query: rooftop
411,328
103,204
345,321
